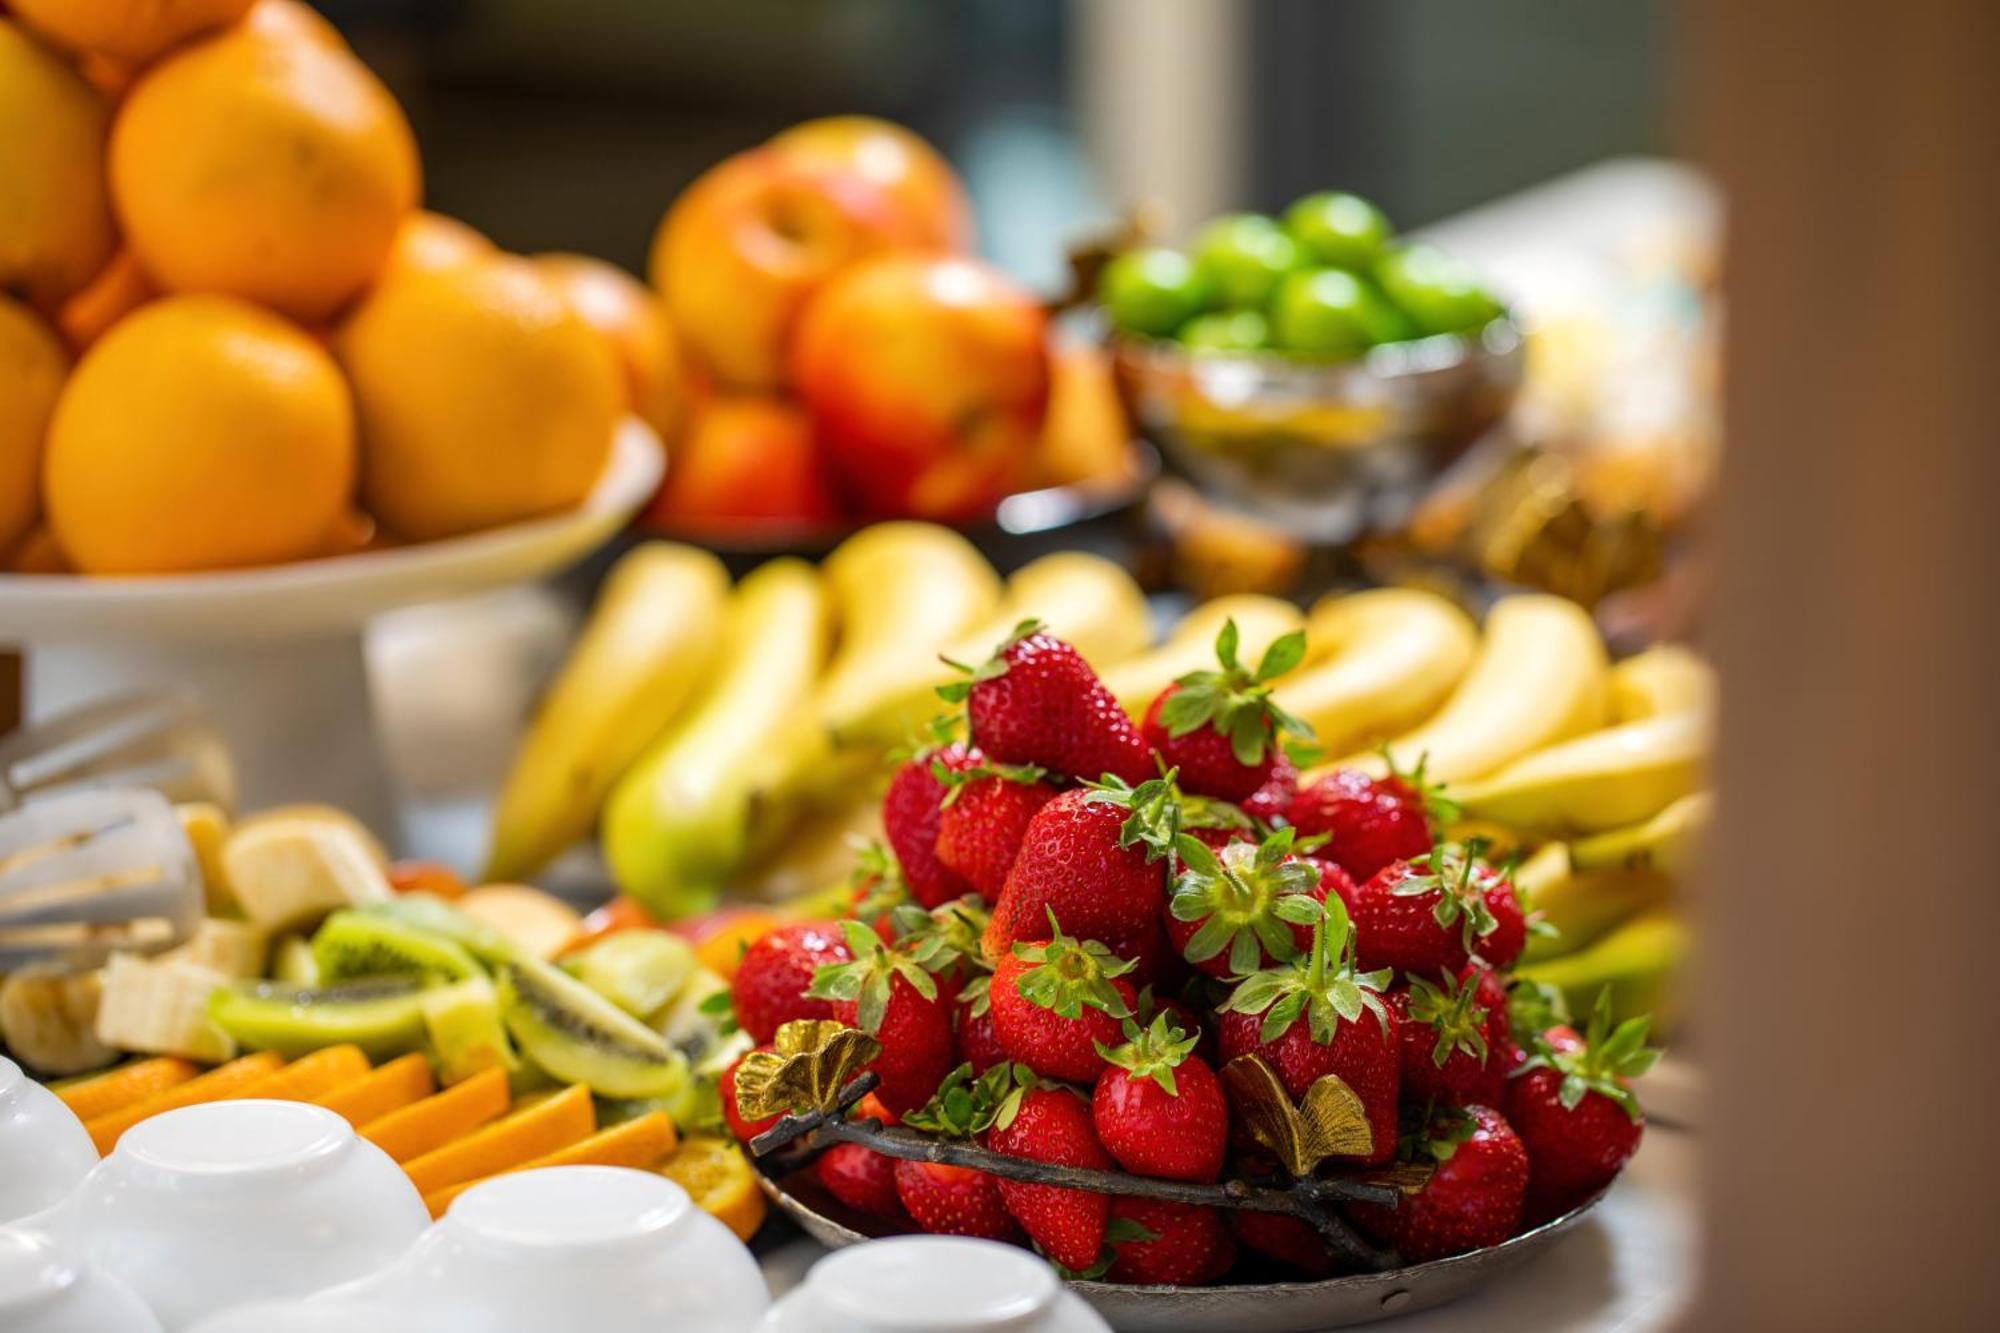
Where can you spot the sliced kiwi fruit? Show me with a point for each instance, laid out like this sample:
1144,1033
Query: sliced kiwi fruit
640,971
578,1036
384,1017
351,944
434,916
292,961
466,1033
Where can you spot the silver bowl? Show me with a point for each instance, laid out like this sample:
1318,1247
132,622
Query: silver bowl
1263,1307
1327,450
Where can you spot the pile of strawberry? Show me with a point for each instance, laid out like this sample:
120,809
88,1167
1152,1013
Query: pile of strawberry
1078,921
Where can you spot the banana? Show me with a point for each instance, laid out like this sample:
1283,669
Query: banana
1378,663
236,949
1663,679
1538,678
50,1020
901,592
645,650
677,823
1669,842
1610,778
1190,645
159,1006
1085,599
288,872
1638,960
206,826
1581,905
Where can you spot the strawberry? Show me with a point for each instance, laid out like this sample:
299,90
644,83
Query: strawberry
1157,1243
888,994
1347,1028
1431,916
1220,729
1155,961
1049,1123
744,1130
954,1201
910,822
1272,802
858,1176
1097,857
1158,1108
1370,821
1473,1197
1036,701
985,815
1455,1044
1245,907
1290,1241
1574,1110
1056,1004
769,988
978,1044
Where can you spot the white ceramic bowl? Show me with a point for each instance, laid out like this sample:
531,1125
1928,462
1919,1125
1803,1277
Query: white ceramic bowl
315,1316
209,1207
932,1284
44,1151
46,1289
600,1248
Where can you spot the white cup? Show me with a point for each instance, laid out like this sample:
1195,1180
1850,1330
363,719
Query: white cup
601,1248
932,1284
209,1207
44,1151
46,1289
316,1316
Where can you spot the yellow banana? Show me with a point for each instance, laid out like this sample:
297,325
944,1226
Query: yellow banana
901,593
1190,645
1085,599
1667,678
1378,663
1638,960
1538,678
1669,842
1581,905
677,822
1620,775
647,647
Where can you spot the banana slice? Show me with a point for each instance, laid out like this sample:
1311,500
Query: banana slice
160,1007
289,872
50,1020
207,827
236,949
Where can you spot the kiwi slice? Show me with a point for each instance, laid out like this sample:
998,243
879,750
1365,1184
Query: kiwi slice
578,1036
384,1017
463,1020
351,945
434,916
640,971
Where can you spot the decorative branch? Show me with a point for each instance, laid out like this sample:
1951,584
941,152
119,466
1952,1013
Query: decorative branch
796,1140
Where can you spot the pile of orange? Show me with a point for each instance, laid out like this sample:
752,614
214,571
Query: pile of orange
228,334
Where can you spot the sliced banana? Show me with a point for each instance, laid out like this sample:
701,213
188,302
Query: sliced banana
50,1020
289,872
236,949
159,1006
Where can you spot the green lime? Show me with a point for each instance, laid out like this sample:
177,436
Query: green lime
1226,331
1243,256
1151,292
1442,294
1328,312
1339,230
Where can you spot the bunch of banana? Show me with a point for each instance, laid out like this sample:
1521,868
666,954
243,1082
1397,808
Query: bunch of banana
1378,663
1190,645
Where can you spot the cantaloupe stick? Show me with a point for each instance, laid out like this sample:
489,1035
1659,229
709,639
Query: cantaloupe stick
640,1143
405,1079
235,1079
310,1075
93,1097
563,1119
436,1121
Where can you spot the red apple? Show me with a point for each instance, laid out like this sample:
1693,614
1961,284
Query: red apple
747,244
928,377
898,162
746,462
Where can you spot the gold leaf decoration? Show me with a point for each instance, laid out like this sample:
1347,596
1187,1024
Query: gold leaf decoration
1331,1123
1405,1177
811,1061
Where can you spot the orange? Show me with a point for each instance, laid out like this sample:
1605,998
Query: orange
136,30
633,323
125,1085
432,240
200,433
484,397
32,366
116,292
293,18
224,1083
272,169
720,1180
55,216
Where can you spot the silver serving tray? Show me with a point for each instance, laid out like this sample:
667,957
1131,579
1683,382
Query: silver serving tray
1265,1307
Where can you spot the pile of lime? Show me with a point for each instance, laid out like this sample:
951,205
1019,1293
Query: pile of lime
1327,281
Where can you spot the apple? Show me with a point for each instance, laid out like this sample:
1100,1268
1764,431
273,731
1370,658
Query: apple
743,248
1339,230
1328,312
1227,331
928,377
746,462
915,176
1151,292
1440,293
1242,257
633,323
